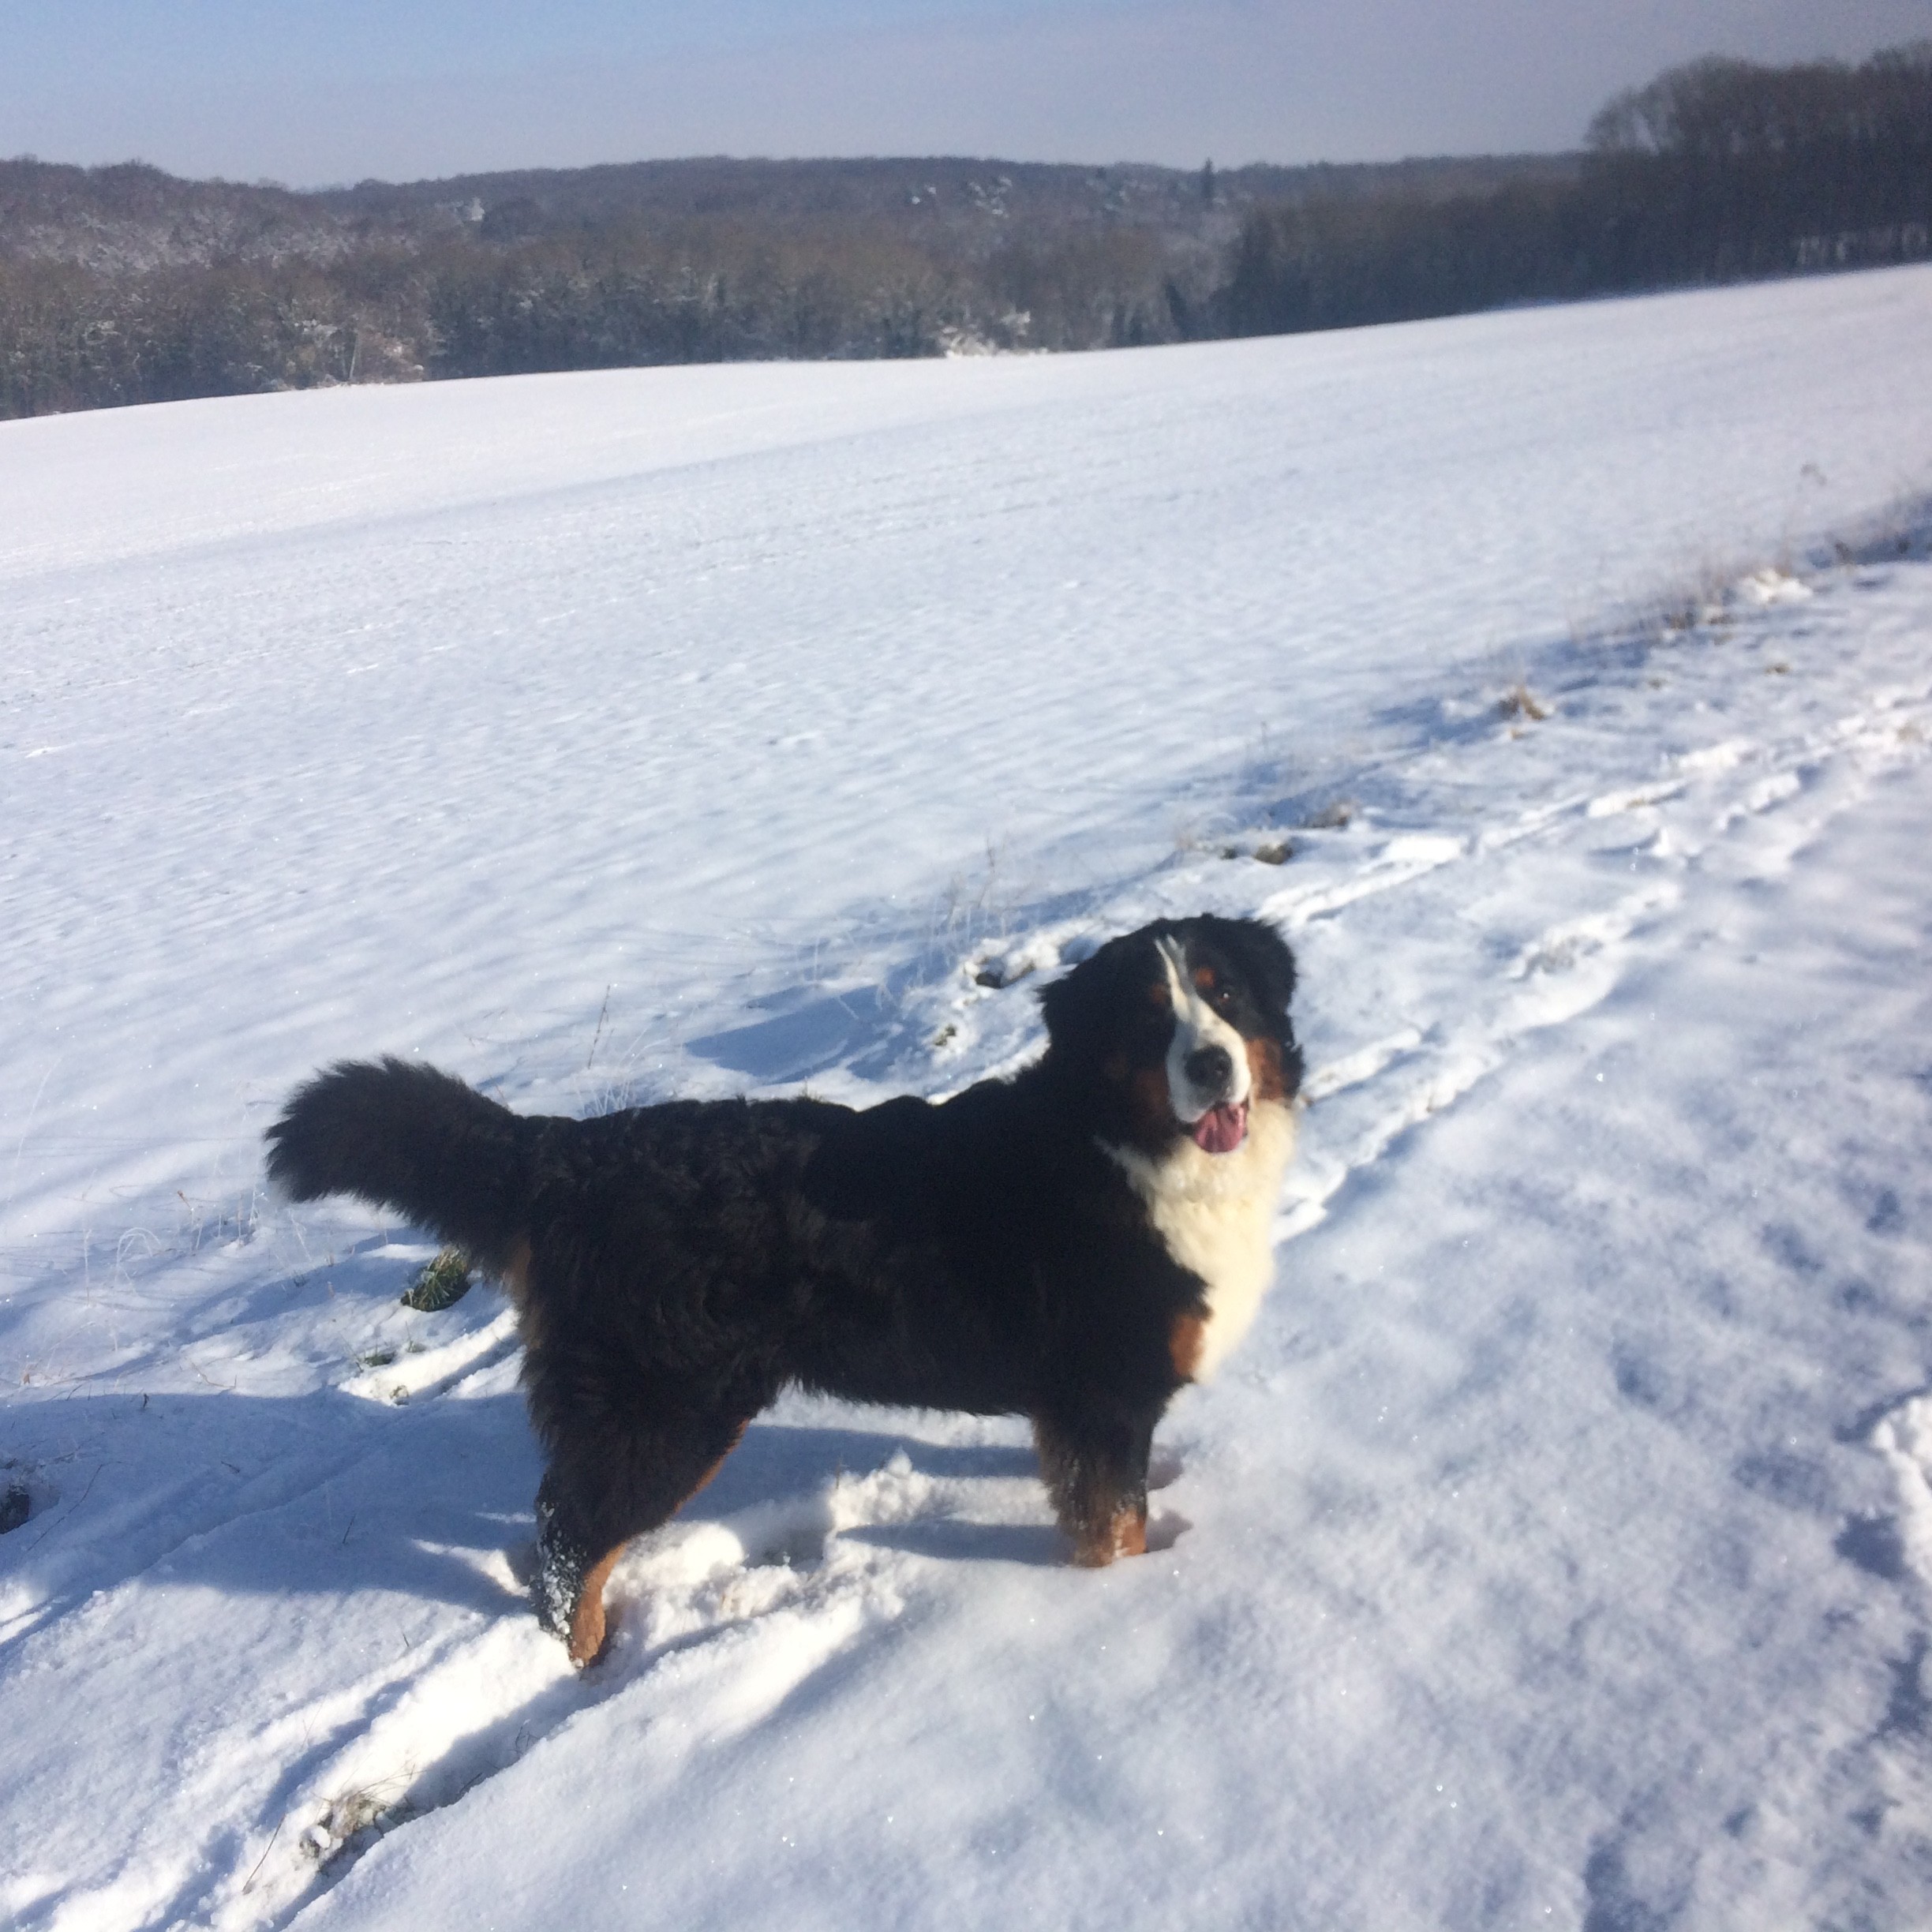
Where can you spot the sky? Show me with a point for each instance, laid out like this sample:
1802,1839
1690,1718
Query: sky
411,89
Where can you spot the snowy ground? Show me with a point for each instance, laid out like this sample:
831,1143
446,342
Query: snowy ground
1558,1550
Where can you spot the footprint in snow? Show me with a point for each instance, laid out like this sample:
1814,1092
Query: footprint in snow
717,1618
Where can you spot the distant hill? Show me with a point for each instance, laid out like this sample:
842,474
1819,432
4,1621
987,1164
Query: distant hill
125,284
131,217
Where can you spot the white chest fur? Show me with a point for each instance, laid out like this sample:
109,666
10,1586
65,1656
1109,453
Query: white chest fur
1216,1214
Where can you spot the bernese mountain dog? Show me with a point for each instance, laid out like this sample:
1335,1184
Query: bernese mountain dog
1071,1244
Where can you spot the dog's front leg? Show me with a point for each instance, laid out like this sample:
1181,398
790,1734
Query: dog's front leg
1094,1461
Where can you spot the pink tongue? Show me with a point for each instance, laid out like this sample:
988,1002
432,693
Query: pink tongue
1221,1129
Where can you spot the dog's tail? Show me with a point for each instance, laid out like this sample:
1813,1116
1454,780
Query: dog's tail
415,1139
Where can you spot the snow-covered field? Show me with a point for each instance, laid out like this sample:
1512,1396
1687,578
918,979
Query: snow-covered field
1558,1551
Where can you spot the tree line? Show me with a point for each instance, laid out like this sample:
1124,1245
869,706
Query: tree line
1719,171
123,285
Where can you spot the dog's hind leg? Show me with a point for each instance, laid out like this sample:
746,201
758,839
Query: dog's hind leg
1095,1466
603,1488
566,1559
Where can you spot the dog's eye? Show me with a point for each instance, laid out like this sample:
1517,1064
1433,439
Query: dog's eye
1211,988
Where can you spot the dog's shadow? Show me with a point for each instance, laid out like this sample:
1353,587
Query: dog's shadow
954,1539
782,1463
329,1496
325,1497
805,1036
780,1466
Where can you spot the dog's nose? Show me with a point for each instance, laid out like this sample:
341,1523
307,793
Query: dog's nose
1209,1068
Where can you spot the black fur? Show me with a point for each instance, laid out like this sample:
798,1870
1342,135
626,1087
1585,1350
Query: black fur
679,1265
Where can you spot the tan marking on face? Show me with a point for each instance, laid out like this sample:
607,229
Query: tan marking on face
587,1631
1204,977
1185,1340
1264,1068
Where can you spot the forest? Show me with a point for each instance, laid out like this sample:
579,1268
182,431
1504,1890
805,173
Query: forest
124,284
1719,171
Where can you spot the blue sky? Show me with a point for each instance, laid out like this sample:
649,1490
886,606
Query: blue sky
309,94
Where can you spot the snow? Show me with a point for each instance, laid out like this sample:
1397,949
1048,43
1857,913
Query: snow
1557,1549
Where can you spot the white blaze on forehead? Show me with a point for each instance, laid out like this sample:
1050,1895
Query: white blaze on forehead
1196,1025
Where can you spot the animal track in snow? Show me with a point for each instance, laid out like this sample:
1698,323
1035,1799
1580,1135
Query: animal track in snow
1903,1438
1403,1078
1561,947
442,1370
1370,1094
716,1618
1405,858
1363,1064
1762,796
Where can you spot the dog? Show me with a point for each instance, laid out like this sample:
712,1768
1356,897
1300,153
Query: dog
1073,1244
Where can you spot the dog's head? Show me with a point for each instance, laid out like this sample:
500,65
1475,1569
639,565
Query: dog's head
1177,1030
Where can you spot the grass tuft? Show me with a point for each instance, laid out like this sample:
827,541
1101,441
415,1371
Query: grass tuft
1337,816
440,1283
1520,700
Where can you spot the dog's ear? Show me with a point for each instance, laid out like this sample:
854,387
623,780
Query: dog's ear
1081,1007
1262,955
1061,1002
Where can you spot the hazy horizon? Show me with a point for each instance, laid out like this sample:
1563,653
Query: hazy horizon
418,89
